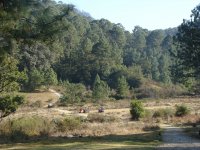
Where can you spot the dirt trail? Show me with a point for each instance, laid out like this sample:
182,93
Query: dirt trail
56,93
175,139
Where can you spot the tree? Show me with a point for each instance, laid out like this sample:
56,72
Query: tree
9,75
9,104
188,41
100,89
50,77
36,79
122,87
137,110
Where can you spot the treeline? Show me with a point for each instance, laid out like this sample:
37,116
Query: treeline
43,42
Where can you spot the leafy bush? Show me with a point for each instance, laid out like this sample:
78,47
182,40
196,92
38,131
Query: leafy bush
182,110
137,110
74,93
9,104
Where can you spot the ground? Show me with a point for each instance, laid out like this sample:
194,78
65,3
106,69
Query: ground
121,134
174,138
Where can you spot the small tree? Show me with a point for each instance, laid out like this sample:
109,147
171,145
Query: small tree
36,79
74,93
50,77
137,110
122,87
100,89
9,104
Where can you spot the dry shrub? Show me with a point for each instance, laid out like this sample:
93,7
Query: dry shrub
69,123
26,127
185,119
101,129
100,118
151,127
163,113
155,90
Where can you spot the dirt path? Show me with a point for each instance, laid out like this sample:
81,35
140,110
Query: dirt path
56,93
175,139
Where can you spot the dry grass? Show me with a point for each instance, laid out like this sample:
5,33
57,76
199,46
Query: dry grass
40,97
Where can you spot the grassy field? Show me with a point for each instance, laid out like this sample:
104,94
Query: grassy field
112,129
144,141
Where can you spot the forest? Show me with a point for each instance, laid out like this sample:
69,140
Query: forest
44,43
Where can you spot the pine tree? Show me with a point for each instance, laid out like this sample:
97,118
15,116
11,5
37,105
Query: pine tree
122,87
100,89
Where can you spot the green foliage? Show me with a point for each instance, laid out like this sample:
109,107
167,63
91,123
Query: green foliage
53,41
122,87
182,110
187,54
36,79
100,89
10,76
137,110
50,77
74,93
9,104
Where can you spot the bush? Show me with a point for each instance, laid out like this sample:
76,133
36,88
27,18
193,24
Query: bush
100,118
26,127
9,104
69,123
74,93
137,110
182,110
163,113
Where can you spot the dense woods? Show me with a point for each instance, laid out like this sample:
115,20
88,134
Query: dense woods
45,43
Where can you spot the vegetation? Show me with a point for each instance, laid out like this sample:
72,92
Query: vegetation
182,110
9,104
137,110
44,43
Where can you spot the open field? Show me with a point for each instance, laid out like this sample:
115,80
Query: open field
112,129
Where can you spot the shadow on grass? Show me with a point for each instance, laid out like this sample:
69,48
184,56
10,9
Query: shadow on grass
144,141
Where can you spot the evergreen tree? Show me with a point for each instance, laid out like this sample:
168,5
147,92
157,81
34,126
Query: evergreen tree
50,77
100,89
122,87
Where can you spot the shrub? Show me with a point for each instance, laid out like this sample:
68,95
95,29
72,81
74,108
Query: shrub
69,123
163,113
74,93
182,110
137,110
100,118
26,127
9,104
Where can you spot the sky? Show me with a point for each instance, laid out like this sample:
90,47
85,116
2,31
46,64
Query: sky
149,14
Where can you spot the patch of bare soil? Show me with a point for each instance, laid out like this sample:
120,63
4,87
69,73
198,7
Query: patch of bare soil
175,139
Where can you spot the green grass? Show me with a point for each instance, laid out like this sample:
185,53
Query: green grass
144,141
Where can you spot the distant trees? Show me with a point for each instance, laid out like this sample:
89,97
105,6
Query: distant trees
51,41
